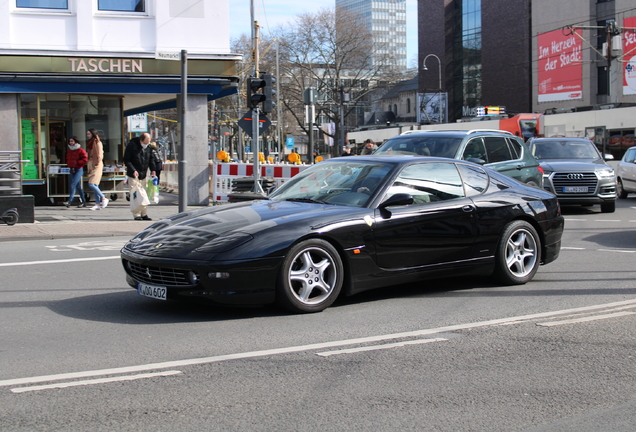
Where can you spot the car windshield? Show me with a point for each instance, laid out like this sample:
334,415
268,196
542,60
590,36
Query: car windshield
413,144
564,150
338,183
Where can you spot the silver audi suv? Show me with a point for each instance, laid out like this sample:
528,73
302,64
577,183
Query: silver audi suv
576,172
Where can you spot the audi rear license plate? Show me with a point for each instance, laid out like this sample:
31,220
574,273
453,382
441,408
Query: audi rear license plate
152,291
575,189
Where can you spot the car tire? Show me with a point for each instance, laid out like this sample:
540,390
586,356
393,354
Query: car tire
608,207
518,254
620,190
310,278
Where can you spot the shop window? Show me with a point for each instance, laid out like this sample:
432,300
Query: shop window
122,5
42,4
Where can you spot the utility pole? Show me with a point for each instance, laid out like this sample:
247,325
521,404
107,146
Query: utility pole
183,178
340,148
279,115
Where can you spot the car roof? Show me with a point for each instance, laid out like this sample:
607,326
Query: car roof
455,132
561,139
396,159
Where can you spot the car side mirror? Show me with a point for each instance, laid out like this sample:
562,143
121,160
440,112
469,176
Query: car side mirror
608,157
477,161
271,190
396,200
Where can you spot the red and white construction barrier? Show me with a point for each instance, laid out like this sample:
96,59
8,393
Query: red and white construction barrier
224,173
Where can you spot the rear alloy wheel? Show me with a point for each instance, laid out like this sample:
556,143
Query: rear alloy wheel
620,190
310,278
518,254
608,207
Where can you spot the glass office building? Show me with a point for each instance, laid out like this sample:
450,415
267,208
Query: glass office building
387,21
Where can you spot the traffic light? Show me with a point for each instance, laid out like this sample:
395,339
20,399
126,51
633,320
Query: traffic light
255,87
268,90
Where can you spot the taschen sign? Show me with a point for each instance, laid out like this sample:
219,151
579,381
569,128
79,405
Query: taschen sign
560,68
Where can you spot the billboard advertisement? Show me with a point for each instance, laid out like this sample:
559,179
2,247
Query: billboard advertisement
629,61
433,108
560,69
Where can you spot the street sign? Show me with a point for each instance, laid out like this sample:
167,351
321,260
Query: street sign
289,142
168,55
138,123
246,123
310,96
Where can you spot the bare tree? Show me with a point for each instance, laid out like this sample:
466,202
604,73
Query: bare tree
332,51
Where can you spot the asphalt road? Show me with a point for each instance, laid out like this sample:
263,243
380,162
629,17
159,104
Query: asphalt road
80,351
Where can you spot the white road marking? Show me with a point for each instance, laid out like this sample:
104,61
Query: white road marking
572,248
577,314
575,220
302,348
584,319
615,250
95,381
25,263
379,347
606,220
113,245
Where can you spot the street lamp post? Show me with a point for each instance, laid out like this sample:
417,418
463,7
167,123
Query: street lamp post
439,70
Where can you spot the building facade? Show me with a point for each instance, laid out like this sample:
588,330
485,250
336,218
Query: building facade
528,55
484,50
70,65
387,21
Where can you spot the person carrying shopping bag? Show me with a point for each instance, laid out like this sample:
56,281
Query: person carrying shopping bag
138,159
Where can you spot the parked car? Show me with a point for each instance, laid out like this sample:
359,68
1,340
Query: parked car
626,174
576,172
497,150
349,225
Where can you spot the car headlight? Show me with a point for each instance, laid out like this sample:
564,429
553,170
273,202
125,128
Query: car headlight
547,174
605,173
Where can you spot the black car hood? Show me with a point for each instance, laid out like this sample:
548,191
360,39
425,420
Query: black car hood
560,165
213,230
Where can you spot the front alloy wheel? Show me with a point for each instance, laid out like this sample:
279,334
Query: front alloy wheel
311,277
518,254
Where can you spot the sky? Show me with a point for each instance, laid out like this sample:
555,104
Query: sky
272,13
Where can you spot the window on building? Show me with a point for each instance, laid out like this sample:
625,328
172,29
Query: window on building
408,105
122,5
42,4
601,81
395,109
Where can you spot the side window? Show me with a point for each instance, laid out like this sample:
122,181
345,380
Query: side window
122,5
497,149
475,179
475,150
630,155
515,148
42,4
429,182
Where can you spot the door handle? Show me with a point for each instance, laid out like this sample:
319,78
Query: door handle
519,167
468,208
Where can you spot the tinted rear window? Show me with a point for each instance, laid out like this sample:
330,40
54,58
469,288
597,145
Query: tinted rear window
421,146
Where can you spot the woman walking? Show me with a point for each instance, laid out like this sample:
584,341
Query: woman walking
76,159
95,151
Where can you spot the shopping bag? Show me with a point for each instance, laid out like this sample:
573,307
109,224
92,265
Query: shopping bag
138,197
153,190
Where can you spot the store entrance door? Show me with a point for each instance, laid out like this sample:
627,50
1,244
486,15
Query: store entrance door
58,134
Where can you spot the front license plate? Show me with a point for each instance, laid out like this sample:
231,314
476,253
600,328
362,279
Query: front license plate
575,189
155,292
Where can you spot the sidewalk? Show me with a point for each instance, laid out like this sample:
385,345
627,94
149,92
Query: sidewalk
55,222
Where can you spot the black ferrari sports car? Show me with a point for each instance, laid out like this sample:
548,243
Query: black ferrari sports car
349,225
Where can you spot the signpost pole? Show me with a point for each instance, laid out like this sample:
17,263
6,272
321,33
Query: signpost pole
183,182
